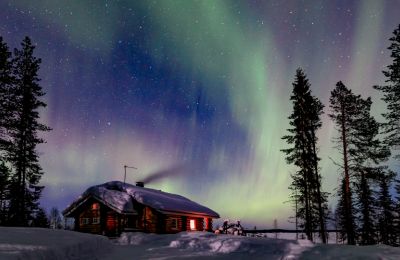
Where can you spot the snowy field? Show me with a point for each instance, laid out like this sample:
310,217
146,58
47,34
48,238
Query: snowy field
40,243
292,236
35,243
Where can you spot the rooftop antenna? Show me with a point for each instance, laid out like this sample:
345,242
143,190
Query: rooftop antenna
130,167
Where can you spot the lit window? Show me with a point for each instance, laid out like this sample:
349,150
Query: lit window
174,223
95,206
192,224
96,221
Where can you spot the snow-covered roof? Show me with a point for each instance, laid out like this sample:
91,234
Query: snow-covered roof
116,199
120,196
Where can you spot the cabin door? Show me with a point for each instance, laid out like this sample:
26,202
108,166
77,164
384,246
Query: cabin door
111,226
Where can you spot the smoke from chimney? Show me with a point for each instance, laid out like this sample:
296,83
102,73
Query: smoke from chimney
164,173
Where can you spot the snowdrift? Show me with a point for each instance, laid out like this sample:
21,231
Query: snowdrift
40,243
203,245
207,245
36,243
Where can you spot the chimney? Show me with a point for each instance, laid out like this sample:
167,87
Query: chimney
140,184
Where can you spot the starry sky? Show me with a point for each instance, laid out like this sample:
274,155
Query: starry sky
202,86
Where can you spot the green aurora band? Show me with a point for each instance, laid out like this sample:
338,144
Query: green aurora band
230,43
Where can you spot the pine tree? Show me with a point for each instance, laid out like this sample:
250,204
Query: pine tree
391,94
387,228
319,197
341,211
306,184
397,213
343,104
365,204
4,193
40,219
367,154
6,81
23,130
362,153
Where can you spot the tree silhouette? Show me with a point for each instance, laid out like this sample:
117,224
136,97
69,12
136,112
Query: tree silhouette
306,182
391,94
362,153
23,130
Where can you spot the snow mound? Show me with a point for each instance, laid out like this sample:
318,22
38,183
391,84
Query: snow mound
204,244
39,243
137,238
333,252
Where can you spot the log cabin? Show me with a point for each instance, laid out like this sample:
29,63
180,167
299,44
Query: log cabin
115,207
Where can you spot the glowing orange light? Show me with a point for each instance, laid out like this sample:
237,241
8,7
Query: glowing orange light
192,224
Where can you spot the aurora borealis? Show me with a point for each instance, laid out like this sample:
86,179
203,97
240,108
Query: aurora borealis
204,84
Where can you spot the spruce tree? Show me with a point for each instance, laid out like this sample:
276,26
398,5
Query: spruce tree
306,183
24,129
391,94
6,110
319,197
362,153
341,212
367,153
6,81
4,193
397,213
365,202
40,219
387,207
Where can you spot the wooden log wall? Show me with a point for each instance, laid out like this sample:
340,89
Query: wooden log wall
89,214
150,220
170,220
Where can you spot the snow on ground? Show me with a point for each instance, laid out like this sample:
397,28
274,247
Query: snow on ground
292,236
40,243
342,252
206,245
36,243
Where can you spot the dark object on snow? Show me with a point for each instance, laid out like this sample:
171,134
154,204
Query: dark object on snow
231,228
114,207
140,184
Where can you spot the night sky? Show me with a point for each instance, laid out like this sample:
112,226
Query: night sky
202,85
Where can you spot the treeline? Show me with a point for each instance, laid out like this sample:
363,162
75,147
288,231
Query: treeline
20,102
366,212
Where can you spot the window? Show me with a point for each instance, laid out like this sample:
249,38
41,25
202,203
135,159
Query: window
85,221
95,206
174,223
96,221
192,224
